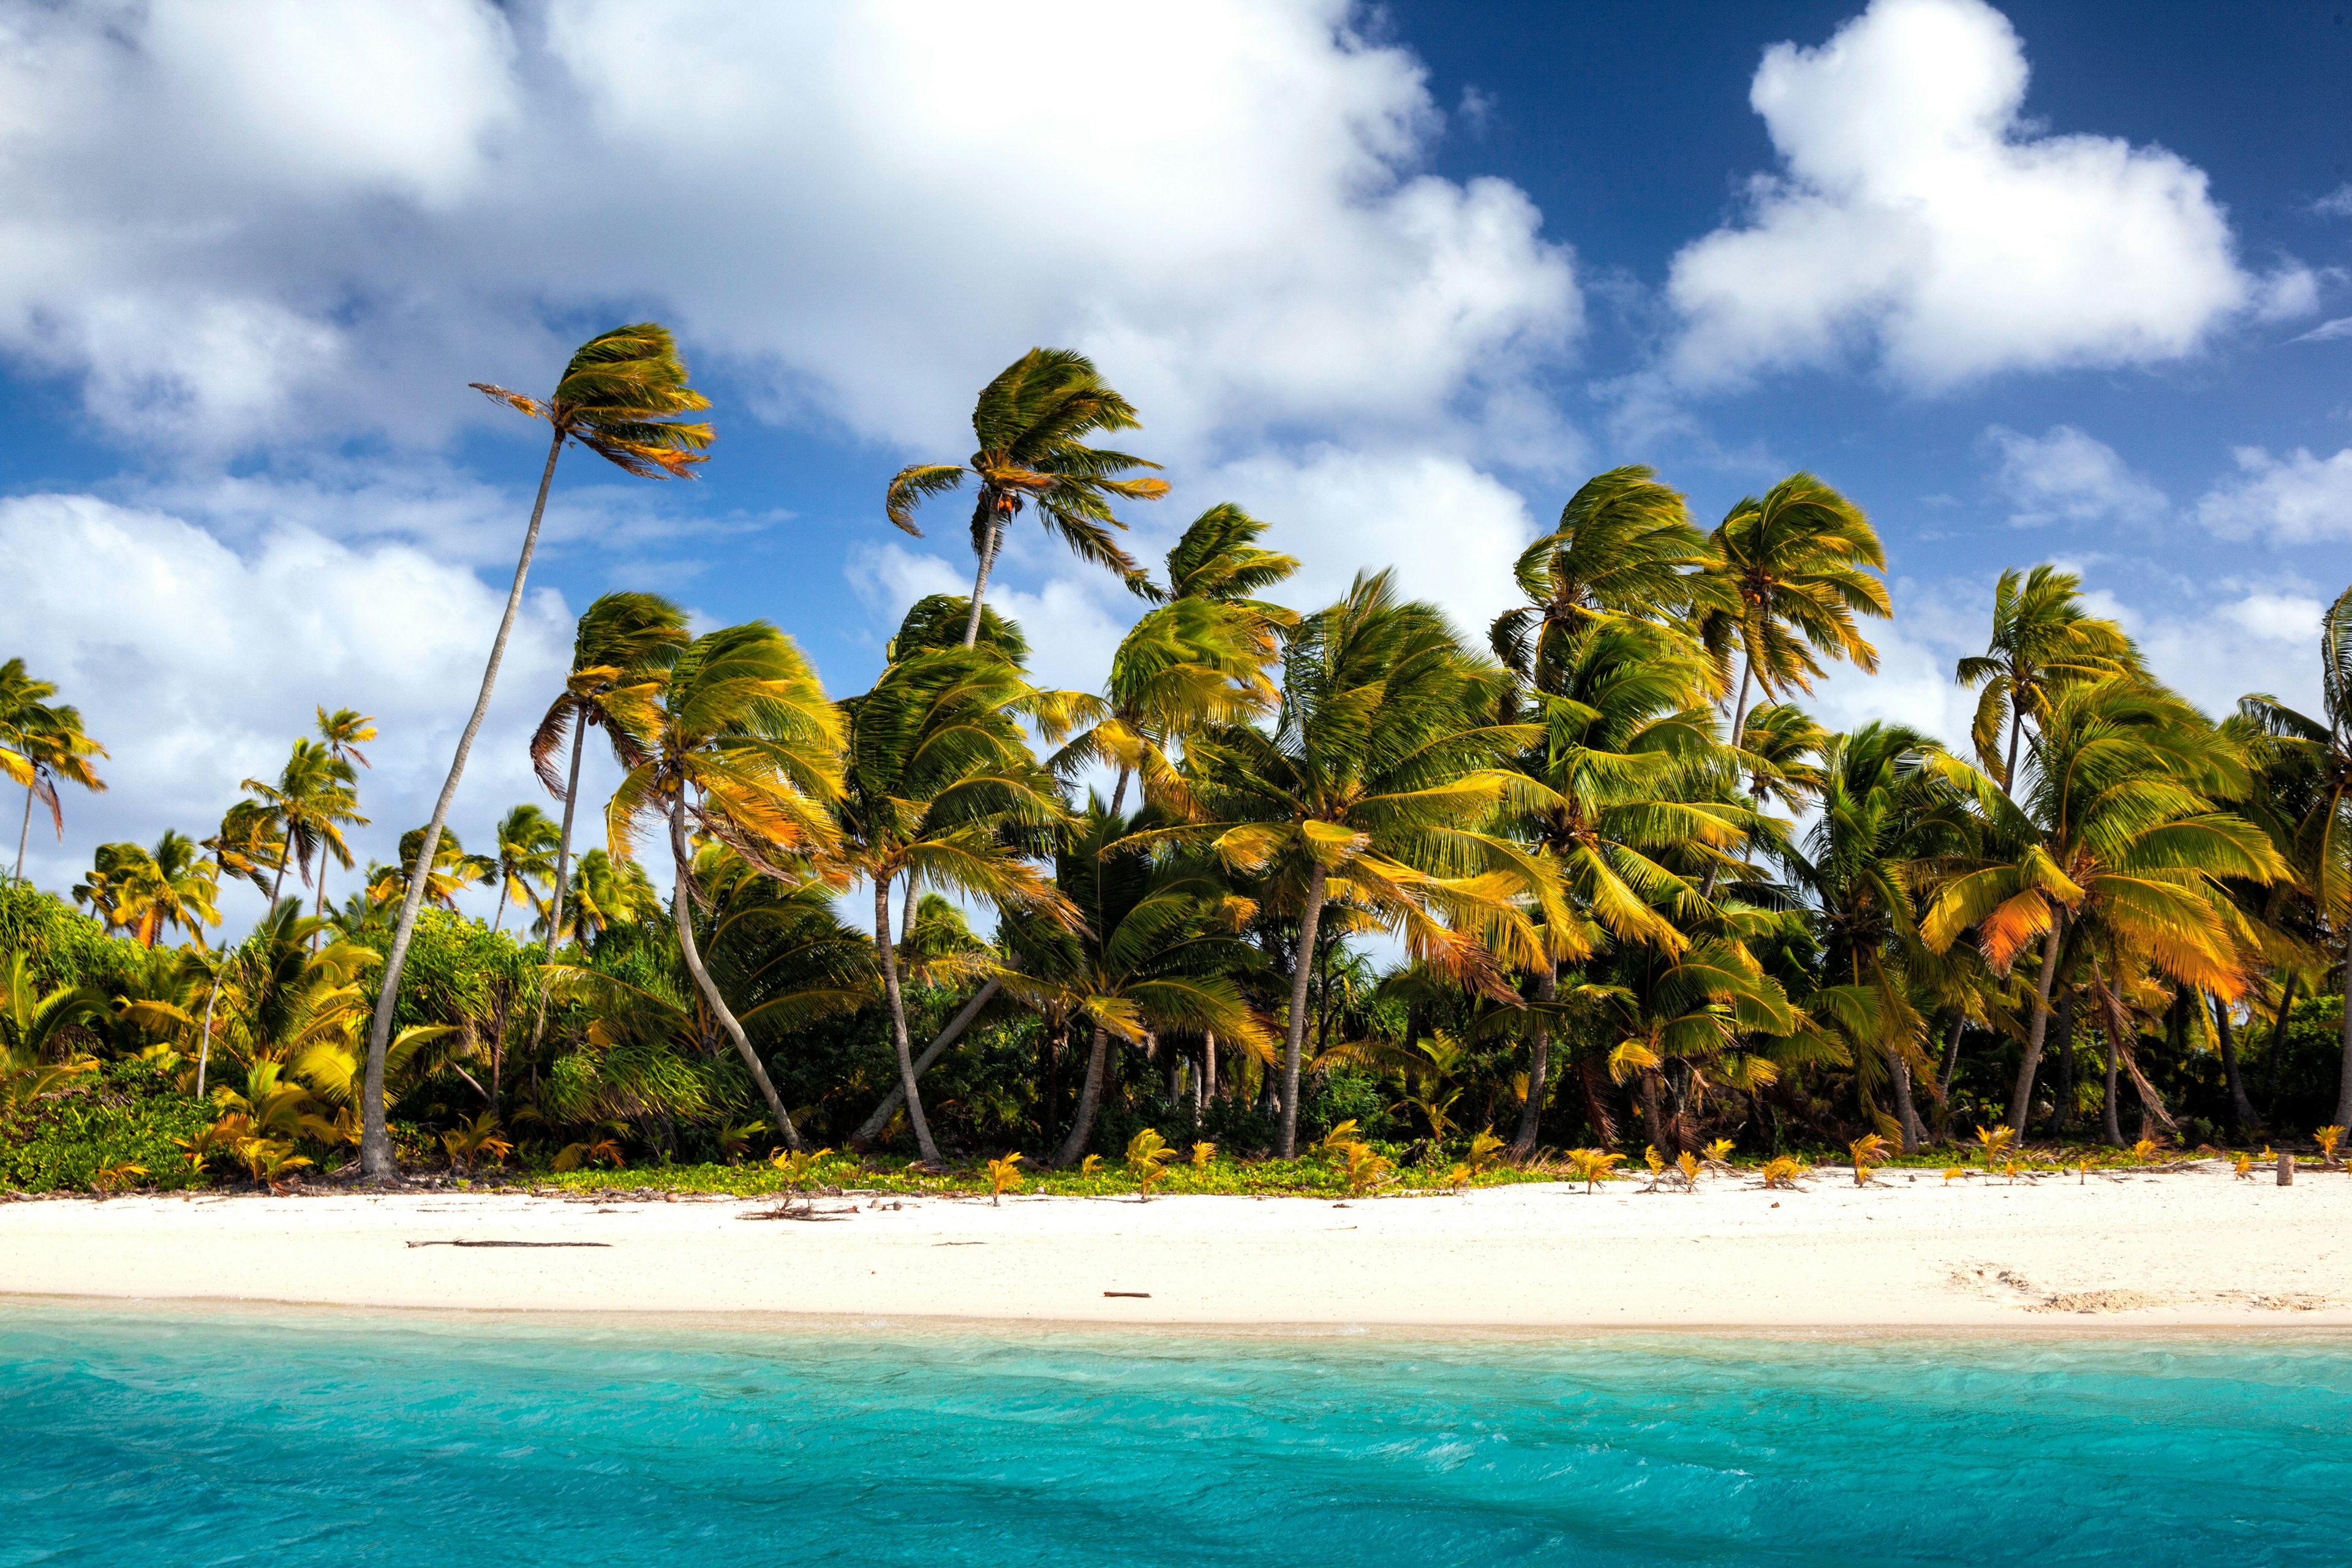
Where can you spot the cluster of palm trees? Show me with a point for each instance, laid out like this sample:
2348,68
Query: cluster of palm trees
1635,885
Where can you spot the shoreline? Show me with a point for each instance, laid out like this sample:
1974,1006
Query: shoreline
2190,1251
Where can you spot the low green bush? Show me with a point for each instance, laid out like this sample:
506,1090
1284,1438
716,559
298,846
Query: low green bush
128,1113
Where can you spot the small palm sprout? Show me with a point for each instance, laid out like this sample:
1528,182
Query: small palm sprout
800,1170
1718,1155
1003,1176
2147,1150
2242,1166
2010,1168
1994,1142
1202,1154
1335,1143
269,1159
1658,1163
1782,1171
1456,1179
107,1178
469,1142
1090,1166
571,1156
1364,1167
2327,1138
1593,1165
1954,1173
1147,1153
1688,1164
1865,1151
1484,1148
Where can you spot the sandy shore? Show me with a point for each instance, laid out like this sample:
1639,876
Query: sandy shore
2192,1248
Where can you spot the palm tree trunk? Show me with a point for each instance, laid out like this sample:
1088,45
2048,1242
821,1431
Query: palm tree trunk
277,883
496,919
204,1045
1538,1063
377,1162
25,832
979,581
889,955
2240,1106
1208,1063
2021,1101
2278,1044
1294,1036
1082,1124
2008,768
1952,1053
562,869
1653,1119
321,912
1907,1111
2061,1093
2344,1079
682,907
871,1128
1118,791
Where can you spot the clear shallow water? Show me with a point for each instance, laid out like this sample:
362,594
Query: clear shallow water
139,1438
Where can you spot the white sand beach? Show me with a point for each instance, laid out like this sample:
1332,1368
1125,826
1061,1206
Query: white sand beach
2188,1249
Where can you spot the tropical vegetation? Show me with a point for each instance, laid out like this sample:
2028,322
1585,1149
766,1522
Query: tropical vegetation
1340,896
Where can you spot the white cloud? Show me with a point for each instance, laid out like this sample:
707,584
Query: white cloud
197,665
1920,221
2065,474
243,225
2294,500
2341,327
2337,203
1451,531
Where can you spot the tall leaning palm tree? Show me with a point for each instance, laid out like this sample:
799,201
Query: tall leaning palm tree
621,397
1032,422
1797,564
1625,549
2042,638
1372,788
2121,831
2322,855
746,748
620,655
940,790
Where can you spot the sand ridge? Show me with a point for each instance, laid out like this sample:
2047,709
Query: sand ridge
2191,1247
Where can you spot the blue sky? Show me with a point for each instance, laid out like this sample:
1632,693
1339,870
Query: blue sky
2041,283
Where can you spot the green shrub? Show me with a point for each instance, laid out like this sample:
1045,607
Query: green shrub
127,1114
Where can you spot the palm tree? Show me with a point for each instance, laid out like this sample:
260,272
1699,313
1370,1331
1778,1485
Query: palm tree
525,860
1886,818
451,873
40,744
343,731
621,653
250,844
148,891
1156,947
1620,796
1796,568
745,745
621,397
605,894
2041,639
2322,852
1200,658
2120,827
1032,422
1625,549
940,790
1371,789
309,806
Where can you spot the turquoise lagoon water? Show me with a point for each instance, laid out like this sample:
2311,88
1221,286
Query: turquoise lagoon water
148,1438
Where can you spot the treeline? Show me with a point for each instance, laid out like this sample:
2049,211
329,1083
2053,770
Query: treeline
1644,898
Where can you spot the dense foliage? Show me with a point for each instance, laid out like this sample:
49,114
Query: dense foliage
1636,897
